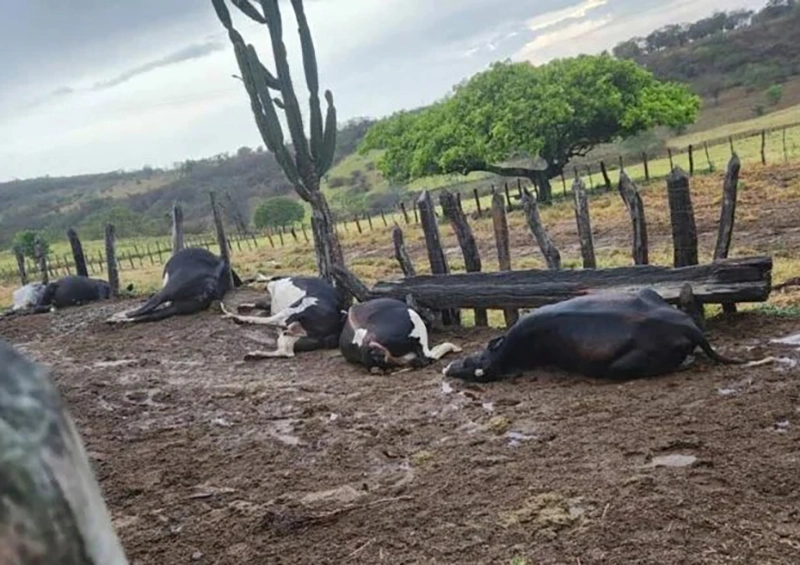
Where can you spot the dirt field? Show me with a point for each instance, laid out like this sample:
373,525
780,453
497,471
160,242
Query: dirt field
206,459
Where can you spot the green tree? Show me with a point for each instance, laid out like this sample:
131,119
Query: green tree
774,94
25,240
278,211
524,121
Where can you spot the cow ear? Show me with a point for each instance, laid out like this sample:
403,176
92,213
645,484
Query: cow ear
495,343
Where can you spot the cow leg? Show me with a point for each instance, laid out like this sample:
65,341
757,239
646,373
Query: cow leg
278,320
286,344
154,316
443,349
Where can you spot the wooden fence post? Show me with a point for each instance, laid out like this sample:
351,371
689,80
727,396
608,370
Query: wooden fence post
111,259
671,163
606,179
405,213
708,157
177,227
469,249
23,276
633,202
478,199
501,237
727,216
764,147
222,241
77,253
691,160
436,257
358,224
508,198
401,253
583,220
785,152
551,255
41,259
684,229
646,166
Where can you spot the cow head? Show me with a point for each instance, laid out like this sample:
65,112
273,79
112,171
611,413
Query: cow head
480,367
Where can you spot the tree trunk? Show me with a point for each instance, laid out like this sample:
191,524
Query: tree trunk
326,243
542,180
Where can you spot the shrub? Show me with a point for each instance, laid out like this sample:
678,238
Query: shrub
26,239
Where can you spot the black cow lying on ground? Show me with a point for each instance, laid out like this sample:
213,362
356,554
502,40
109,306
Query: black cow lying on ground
193,279
305,310
71,290
51,507
385,333
619,336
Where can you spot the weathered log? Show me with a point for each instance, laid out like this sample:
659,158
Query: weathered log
51,506
501,237
20,257
436,257
111,259
551,255
222,241
584,223
401,253
177,227
41,259
77,253
727,216
466,240
684,229
633,202
729,280
350,282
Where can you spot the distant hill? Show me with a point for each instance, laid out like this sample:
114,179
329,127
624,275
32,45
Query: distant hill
139,202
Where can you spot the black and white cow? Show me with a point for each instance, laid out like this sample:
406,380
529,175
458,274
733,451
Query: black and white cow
384,333
51,506
71,290
193,279
614,336
306,312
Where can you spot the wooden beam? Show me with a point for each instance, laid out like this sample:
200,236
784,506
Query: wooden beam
584,223
729,280
77,253
401,253
436,256
452,210
684,229
111,259
633,202
727,217
501,236
551,255
177,227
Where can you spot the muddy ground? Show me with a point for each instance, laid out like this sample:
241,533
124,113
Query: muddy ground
205,459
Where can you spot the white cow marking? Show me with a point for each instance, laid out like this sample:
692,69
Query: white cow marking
166,280
283,293
420,332
358,336
278,319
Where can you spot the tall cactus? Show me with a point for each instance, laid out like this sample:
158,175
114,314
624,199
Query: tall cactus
313,154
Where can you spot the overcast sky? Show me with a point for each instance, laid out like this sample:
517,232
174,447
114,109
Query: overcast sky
97,85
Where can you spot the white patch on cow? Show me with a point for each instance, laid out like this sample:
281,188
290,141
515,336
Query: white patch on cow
285,348
358,336
479,373
27,296
283,293
166,280
420,332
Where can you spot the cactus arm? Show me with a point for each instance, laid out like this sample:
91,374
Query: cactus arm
223,14
279,103
249,10
312,79
329,139
294,118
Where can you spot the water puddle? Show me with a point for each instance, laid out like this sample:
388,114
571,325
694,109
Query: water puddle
673,460
788,340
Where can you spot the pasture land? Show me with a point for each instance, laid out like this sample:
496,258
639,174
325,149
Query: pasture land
766,223
206,459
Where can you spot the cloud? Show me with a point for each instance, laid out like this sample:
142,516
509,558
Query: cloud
196,51
556,17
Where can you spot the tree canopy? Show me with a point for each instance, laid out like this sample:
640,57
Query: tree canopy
278,212
514,112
